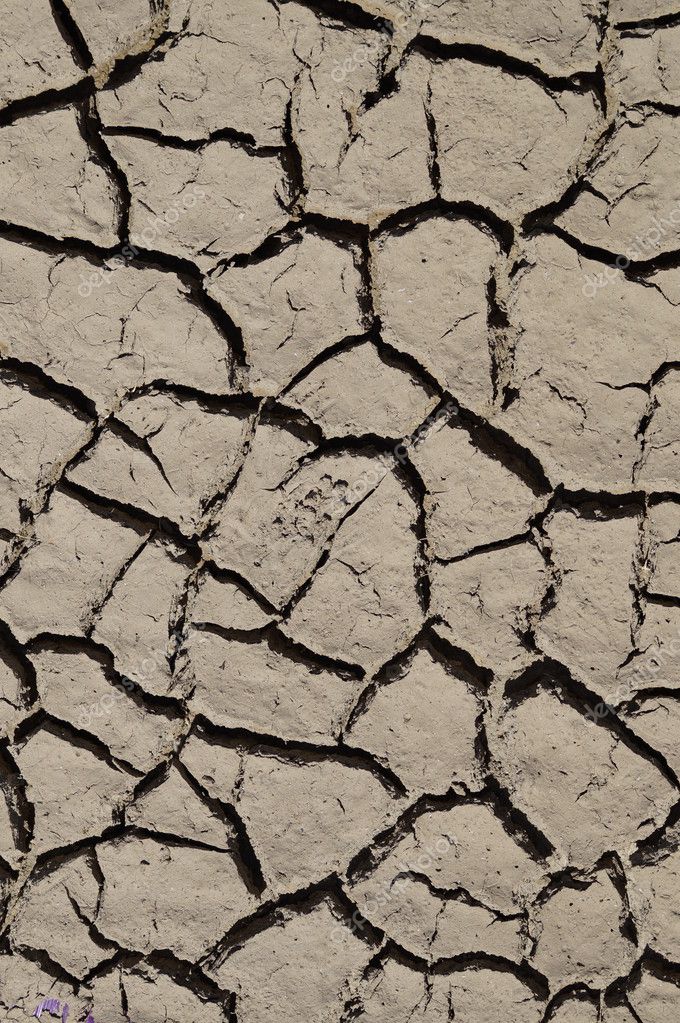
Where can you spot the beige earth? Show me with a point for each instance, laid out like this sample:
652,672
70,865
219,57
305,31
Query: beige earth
340,511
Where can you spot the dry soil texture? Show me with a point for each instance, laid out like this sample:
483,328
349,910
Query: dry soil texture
340,511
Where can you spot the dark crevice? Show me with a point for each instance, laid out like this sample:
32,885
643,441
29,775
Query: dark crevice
190,976
161,138
461,667
346,344
481,217
297,752
130,515
235,350
282,644
662,21
556,678
168,706
20,810
39,383
91,129
365,862
272,246
502,447
291,161
591,504
498,325
229,576
346,13
435,171
42,721
388,85
71,33
13,654
579,993
487,548
46,964
69,246
249,865
409,477
631,269
44,102
486,56
303,901
126,69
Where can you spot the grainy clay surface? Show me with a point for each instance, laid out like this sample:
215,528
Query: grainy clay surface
340,511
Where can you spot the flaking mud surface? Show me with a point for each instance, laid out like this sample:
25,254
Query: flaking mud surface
340,511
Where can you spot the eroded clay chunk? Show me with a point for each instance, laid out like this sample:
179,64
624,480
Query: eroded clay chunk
584,788
654,664
23,985
50,181
394,993
486,995
581,937
204,205
471,499
225,604
656,719
376,161
589,627
472,850
579,404
655,1000
258,687
302,965
283,511
180,454
333,811
233,66
422,725
582,1008
76,551
149,992
646,65
215,767
291,306
134,326
185,898
654,889
431,922
75,687
106,989
560,40
358,392
74,792
174,808
430,291
34,55
505,142
659,465
112,34
663,525
372,569
485,604
53,916
632,204
137,622
12,694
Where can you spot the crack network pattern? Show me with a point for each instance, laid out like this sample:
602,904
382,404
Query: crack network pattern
340,511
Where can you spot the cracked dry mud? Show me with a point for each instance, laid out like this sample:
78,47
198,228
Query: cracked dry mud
340,511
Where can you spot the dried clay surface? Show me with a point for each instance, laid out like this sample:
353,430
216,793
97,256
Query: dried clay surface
340,511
